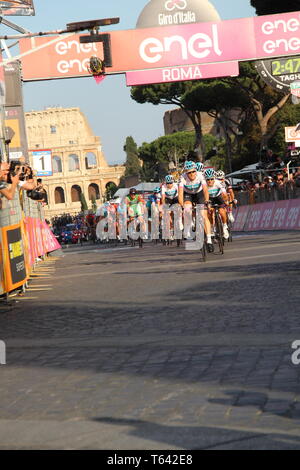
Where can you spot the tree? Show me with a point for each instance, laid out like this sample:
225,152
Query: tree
84,206
265,101
219,100
94,203
133,166
171,93
271,7
176,148
111,189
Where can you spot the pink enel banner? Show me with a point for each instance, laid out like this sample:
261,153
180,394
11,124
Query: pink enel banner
169,46
178,74
41,239
279,215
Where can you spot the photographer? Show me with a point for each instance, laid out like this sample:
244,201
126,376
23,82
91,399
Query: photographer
11,178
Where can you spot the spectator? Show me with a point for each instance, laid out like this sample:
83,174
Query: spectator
8,190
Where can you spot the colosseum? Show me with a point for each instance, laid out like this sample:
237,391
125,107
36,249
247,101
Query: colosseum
78,163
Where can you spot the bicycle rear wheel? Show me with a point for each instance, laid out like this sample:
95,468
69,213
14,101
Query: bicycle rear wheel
219,233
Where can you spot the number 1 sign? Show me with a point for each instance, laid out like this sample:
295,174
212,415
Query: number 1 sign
42,162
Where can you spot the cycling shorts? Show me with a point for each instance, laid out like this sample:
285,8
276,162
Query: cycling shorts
172,201
197,198
217,201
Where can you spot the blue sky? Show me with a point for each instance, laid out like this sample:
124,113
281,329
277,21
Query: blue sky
112,114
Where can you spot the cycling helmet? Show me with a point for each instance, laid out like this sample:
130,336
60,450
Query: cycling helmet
156,190
209,173
189,165
132,191
220,174
199,166
169,179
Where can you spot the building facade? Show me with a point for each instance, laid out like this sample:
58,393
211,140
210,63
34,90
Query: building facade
78,163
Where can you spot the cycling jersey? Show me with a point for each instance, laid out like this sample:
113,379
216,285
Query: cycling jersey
216,190
192,187
170,193
134,205
226,184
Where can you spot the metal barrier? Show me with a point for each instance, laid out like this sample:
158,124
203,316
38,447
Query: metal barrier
250,197
24,237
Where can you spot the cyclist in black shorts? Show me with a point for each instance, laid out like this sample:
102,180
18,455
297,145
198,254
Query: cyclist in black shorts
193,190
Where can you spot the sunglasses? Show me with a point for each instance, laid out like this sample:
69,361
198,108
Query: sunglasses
190,172
210,179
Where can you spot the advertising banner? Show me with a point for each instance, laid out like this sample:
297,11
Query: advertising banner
279,215
240,218
14,258
42,162
291,134
169,46
178,74
2,290
17,8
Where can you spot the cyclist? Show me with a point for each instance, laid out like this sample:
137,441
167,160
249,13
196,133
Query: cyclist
169,195
220,175
218,196
193,190
133,202
199,166
169,191
135,208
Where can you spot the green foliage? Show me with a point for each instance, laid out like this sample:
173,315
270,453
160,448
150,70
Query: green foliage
176,148
271,7
84,206
94,204
111,189
133,166
288,116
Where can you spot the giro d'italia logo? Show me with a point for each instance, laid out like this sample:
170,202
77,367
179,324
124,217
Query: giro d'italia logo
171,5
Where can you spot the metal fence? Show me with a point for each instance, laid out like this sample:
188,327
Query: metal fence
256,196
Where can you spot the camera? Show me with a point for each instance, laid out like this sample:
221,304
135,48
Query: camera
16,168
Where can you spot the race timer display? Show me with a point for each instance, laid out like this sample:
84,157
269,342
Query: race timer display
285,66
279,73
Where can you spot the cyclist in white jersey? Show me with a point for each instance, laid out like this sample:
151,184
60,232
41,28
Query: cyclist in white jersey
193,190
220,175
218,196
169,191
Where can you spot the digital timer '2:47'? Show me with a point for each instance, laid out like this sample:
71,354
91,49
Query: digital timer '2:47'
286,66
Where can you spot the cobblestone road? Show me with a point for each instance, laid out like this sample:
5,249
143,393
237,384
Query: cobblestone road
136,349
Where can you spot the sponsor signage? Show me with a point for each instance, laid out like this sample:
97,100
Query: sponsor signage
15,266
42,162
178,74
292,134
280,215
280,73
163,47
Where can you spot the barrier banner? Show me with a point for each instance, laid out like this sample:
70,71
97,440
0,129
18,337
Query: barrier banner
240,218
15,274
2,291
292,221
50,242
29,228
277,215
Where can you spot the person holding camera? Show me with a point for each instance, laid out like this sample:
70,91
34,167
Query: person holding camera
8,178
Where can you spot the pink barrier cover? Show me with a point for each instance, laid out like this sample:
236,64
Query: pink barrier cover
279,215
240,218
41,239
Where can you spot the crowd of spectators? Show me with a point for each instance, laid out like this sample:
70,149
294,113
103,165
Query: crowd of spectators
272,176
19,176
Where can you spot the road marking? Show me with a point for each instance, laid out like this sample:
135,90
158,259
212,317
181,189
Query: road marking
221,260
